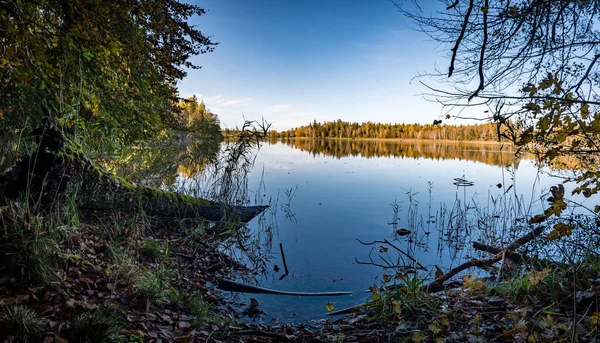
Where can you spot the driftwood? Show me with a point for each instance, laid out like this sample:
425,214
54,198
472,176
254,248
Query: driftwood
232,286
58,169
518,258
438,284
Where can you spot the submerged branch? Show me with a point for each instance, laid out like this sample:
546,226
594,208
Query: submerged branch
438,284
232,286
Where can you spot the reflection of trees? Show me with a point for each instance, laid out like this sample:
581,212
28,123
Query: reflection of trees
158,162
186,151
199,153
493,154
589,163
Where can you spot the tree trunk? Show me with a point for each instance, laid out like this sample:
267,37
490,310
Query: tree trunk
58,169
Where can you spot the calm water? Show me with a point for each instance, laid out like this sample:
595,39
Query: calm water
328,194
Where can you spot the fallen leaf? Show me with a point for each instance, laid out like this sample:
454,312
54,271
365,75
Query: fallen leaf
417,337
8,301
438,272
403,232
329,307
71,303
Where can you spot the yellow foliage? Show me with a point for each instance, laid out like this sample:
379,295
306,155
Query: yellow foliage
595,319
560,230
471,284
536,276
417,337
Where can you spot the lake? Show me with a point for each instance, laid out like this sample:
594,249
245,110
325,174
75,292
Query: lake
326,195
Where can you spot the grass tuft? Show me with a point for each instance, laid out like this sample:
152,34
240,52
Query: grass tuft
150,249
102,324
22,323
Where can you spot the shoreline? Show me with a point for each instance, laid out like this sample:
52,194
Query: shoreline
400,140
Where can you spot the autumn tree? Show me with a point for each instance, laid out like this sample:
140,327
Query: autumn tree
533,63
198,118
103,67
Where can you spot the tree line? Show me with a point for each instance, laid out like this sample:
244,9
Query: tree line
343,129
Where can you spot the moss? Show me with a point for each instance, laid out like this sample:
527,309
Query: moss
70,257
69,171
191,200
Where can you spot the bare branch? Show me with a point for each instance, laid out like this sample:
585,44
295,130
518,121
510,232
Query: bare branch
452,5
483,45
460,38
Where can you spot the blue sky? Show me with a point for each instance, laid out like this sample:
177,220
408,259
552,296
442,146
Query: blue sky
291,62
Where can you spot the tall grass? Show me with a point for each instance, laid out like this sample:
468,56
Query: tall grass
226,180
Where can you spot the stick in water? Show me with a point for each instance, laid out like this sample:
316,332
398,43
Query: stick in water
284,263
232,286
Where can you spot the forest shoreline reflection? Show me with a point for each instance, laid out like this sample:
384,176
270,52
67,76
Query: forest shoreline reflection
499,154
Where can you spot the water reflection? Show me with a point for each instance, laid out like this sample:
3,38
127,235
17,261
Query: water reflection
489,153
158,163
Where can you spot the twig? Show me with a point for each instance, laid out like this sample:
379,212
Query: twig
493,250
452,5
385,241
501,266
184,256
284,263
383,266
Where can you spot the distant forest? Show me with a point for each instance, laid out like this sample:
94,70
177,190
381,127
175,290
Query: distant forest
341,129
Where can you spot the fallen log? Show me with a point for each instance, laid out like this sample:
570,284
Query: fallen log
518,258
58,169
232,286
438,284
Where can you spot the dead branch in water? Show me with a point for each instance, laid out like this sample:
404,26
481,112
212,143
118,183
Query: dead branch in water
287,272
385,241
438,284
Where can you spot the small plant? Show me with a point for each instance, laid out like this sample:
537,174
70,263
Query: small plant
150,249
176,299
28,243
153,286
408,297
131,338
126,265
102,324
201,310
22,323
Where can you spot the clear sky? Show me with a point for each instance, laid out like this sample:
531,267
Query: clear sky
292,62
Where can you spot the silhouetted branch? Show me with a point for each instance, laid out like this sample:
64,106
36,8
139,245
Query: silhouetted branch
485,10
452,5
385,241
460,37
285,267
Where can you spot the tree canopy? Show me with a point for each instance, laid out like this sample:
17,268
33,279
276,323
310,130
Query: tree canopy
533,63
109,67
